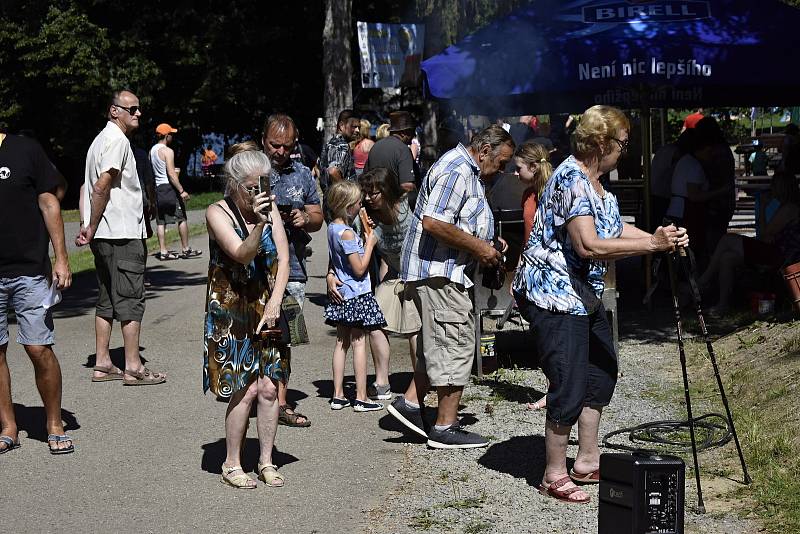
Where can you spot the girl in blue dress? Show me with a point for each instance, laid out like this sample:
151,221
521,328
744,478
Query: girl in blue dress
349,260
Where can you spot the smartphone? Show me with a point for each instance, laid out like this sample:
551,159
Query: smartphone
263,184
263,187
286,209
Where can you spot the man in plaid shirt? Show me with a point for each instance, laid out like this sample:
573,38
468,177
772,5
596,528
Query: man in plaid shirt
336,160
452,226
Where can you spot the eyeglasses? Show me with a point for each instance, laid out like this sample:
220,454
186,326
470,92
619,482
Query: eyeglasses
132,110
623,145
372,194
252,190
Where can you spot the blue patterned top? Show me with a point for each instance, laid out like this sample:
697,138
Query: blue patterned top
451,192
552,275
338,250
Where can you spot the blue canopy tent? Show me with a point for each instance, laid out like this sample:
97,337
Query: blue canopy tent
555,56
564,56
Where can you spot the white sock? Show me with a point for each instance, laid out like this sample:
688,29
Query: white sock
441,427
411,404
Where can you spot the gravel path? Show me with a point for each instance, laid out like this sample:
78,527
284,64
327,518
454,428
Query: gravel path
493,489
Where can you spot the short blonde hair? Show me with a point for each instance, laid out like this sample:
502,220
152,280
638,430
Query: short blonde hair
382,131
341,196
597,126
244,146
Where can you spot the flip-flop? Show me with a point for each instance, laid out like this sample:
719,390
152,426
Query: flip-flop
59,439
190,253
585,478
111,374
554,490
10,444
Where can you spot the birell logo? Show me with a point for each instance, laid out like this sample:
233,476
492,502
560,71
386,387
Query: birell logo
647,11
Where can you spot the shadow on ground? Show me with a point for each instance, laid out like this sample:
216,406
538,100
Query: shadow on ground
32,420
82,295
214,455
520,457
117,358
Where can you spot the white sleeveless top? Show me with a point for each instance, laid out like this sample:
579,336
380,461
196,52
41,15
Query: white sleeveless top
159,166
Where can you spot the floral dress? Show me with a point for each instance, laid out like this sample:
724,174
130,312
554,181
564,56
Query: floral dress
235,300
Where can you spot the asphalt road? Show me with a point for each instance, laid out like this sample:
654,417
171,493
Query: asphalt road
148,458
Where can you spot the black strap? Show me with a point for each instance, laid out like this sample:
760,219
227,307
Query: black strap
238,216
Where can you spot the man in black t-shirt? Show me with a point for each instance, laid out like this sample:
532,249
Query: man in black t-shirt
30,218
393,152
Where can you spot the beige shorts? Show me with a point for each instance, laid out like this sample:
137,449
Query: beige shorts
446,343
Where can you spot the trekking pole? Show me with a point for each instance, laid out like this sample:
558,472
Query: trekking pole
673,282
690,275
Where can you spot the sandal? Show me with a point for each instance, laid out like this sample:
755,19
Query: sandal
291,419
240,481
112,373
145,377
269,474
190,253
553,490
56,439
585,478
166,256
9,443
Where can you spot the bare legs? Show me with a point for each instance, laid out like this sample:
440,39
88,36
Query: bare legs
379,346
130,338
587,460
728,255
8,423
345,338
48,382
183,231
264,391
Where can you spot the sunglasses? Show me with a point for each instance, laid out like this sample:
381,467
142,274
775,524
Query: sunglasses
132,110
252,190
623,145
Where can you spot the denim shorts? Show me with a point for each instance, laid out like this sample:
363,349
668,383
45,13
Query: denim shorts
576,353
119,265
25,295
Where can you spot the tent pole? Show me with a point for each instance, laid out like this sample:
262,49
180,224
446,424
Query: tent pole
647,148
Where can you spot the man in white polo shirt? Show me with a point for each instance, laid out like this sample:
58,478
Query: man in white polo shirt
114,227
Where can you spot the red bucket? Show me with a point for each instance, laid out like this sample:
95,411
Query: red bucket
791,276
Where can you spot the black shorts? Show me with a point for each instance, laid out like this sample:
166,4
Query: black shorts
576,353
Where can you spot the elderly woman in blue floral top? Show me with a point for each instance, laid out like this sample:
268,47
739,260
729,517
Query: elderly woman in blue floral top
558,288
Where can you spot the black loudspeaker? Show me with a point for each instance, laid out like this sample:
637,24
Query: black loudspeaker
641,493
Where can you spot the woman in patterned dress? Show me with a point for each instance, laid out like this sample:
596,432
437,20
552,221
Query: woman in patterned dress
247,274
558,286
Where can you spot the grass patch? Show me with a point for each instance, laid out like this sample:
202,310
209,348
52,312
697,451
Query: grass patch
476,527
425,521
83,260
761,386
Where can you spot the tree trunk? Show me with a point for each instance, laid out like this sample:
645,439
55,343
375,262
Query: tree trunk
337,69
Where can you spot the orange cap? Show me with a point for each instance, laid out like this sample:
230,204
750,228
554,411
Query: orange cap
165,129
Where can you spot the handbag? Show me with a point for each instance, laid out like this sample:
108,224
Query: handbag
292,314
166,198
398,307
